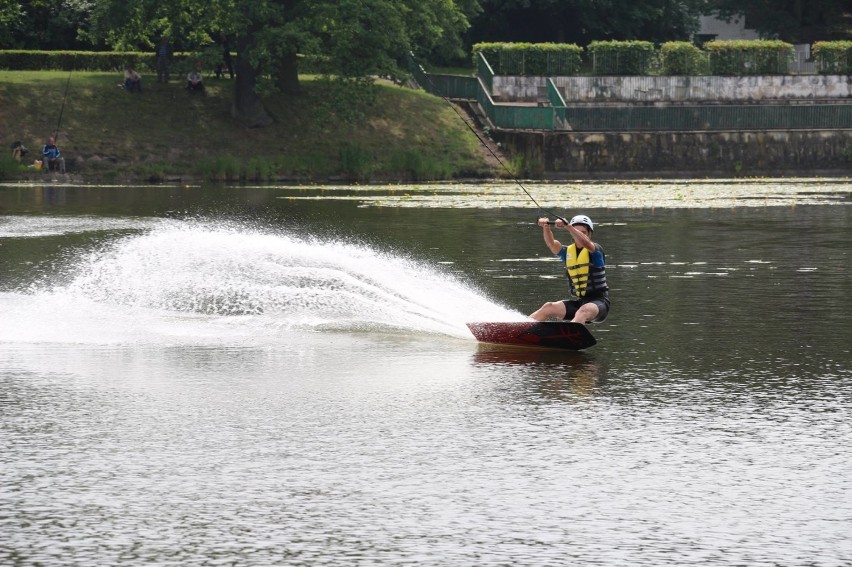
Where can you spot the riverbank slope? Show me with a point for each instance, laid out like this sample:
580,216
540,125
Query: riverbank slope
166,132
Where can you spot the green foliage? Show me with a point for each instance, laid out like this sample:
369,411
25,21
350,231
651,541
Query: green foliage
489,50
833,57
220,168
531,59
11,19
355,38
413,165
622,57
259,169
9,168
154,172
38,24
303,165
682,58
754,57
356,162
344,101
762,57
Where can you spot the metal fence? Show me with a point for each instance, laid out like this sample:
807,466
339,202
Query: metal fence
511,117
448,86
613,118
453,86
710,63
711,117
485,72
505,116
524,63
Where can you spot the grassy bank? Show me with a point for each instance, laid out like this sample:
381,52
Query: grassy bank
109,135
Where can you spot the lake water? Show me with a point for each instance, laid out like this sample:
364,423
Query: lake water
283,376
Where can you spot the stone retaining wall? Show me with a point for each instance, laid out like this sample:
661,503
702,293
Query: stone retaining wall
556,155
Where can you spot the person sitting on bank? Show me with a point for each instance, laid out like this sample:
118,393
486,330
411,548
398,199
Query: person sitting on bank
52,156
19,151
132,80
193,81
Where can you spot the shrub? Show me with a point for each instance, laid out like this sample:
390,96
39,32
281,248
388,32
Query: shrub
491,52
682,58
531,59
833,57
356,162
752,57
9,168
622,57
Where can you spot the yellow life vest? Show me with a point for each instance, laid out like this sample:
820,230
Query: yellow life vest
578,269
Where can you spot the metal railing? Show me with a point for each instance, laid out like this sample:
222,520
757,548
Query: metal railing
557,115
485,72
711,117
505,116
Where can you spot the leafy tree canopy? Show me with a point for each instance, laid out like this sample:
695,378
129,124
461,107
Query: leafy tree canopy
44,24
352,38
583,21
355,37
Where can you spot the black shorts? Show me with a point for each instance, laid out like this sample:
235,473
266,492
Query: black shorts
602,301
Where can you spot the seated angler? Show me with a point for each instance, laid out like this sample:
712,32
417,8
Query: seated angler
52,156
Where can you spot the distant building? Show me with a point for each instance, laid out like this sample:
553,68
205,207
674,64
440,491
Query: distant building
712,27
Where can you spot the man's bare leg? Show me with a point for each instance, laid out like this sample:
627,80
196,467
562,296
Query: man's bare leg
550,309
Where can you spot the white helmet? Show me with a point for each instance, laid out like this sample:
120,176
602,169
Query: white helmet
583,219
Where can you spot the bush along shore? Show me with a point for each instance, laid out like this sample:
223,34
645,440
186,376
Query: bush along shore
327,133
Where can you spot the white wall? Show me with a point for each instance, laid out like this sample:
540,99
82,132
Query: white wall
675,88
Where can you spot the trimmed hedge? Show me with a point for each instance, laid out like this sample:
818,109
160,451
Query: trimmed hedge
30,60
833,57
682,58
752,57
622,57
26,60
531,59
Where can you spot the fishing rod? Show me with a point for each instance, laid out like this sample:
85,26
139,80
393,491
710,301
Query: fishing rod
62,109
481,141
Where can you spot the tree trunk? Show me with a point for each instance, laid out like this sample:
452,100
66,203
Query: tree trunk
288,74
247,107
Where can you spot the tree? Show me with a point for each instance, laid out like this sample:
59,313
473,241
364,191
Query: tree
43,24
349,38
583,21
11,16
791,20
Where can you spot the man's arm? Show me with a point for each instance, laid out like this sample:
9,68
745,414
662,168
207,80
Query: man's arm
581,239
554,245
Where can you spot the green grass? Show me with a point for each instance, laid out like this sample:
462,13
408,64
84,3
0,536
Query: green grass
166,132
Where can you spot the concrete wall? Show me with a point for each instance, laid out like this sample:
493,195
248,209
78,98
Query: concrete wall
675,89
555,155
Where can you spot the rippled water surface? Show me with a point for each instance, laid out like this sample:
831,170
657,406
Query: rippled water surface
283,376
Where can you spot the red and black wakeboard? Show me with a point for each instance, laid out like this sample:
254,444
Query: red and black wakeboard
547,334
